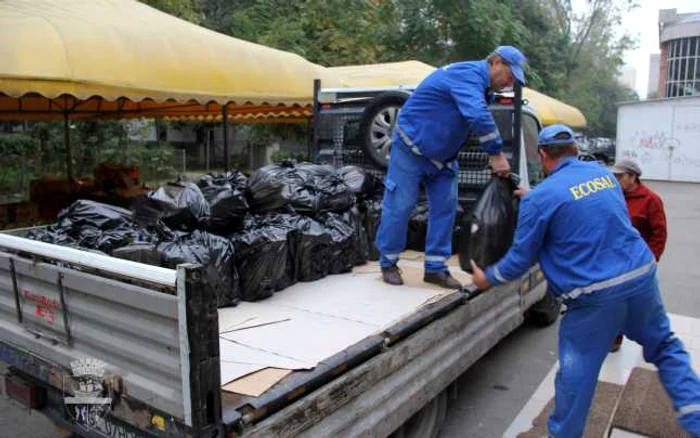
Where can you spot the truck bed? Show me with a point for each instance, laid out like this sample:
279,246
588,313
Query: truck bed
301,326
169,350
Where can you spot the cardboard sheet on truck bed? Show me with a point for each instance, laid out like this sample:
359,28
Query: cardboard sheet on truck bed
300,326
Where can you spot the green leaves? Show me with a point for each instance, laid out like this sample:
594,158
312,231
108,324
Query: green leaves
574,55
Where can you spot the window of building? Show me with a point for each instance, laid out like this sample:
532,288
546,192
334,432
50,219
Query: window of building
682,67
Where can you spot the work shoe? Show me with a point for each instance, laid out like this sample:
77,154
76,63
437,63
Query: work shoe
617,344
392,275
442,279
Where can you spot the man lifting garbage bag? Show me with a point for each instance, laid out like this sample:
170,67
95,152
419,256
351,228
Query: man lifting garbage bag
446,108
606,275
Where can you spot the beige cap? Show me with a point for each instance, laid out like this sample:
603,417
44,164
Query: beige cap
626,165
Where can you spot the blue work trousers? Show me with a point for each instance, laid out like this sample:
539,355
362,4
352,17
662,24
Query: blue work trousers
585,337
402,186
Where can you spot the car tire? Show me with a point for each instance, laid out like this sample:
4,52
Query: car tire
377,126
427,422
544,312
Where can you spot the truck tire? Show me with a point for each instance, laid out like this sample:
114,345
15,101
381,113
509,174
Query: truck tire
377,126
427,422
544,312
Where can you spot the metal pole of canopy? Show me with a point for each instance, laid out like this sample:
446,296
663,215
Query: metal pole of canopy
66,141
225,133
315,119
517,125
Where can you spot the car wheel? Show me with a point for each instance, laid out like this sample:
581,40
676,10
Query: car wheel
427,422
377,126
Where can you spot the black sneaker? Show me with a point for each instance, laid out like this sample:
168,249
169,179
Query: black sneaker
392,275
442,279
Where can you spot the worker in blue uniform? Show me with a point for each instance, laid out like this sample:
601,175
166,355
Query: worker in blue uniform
444,110
575,223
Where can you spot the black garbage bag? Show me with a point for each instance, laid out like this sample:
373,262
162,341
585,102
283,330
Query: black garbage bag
84,213
234,178
487,232
316,170
311,249
371,211
360,241
95,226
106,241
225,193
282,188
181,206
418,227
263,257
214,253
139,252
342,257
335,195
228,207
52,234
363,185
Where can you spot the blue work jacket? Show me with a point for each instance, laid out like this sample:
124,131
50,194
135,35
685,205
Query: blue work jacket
447,107
575,223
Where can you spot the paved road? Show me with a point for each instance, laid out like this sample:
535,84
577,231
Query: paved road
495,389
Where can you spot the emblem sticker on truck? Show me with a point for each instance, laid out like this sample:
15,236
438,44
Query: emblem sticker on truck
90,400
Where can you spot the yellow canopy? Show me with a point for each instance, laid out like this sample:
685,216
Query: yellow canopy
409,73
551,110
390,74
122,58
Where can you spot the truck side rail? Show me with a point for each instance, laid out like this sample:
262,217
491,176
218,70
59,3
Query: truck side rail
155,329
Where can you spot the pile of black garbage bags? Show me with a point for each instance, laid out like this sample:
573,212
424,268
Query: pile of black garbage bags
255,236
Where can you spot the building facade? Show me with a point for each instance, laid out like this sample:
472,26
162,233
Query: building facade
679,61
653,84
628,77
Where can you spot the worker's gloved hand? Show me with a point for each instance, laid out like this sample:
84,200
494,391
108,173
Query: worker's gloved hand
521,191
479,277
500,165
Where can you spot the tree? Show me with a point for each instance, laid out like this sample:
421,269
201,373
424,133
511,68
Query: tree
328,32
185,9
593,63
574,56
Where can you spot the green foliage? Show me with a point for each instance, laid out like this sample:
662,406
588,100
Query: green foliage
574,56
184,9
328,32
279,156
17,144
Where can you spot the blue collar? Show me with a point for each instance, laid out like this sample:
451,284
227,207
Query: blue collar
563,162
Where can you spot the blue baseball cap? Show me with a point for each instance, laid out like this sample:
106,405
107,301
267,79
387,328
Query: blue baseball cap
555,135
515,60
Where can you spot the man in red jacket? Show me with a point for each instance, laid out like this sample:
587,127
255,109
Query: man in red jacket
645,207
646,211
